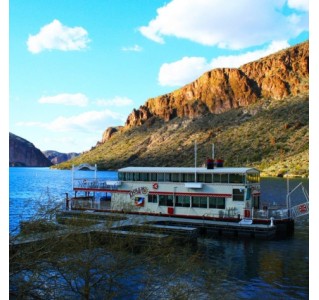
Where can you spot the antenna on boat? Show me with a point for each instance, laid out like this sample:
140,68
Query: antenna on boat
72,177
288,194
213,151
195,160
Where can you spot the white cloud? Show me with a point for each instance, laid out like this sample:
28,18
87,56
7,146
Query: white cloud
57,36
299,4
235,61
90,121
181,72
188,69
116,101
67,144
237,25
66,99
135,48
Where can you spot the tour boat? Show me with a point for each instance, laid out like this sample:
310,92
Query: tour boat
213,192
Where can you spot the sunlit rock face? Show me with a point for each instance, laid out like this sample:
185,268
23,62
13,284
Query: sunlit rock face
277,76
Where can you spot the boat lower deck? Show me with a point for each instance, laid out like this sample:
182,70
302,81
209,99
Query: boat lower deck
129,221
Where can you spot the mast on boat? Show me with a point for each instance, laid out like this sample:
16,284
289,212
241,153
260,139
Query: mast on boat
195,149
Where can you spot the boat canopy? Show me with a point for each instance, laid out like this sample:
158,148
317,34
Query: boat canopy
233,170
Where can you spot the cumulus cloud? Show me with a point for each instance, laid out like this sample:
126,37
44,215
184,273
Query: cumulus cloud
90,121
299,4
187,69
237,25
66,99
59,37
181,72
135,48
116,101
235,61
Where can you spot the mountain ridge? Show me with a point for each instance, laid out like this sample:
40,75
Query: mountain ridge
257,115
57,157
23,153
275,76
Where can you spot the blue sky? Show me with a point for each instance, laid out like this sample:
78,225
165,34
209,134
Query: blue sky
78,67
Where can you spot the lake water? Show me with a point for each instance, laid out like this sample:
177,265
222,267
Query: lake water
245,269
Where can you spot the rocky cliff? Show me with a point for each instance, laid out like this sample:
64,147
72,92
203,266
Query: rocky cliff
109,132
57,157
22,153
256,115
277,76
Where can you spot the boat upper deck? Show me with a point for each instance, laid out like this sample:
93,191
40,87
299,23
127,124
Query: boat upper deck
231,170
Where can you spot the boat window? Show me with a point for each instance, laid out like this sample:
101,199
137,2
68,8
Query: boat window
136,177
144,176
236,178
253,178
200,177
175,177
153,176
198,201
216,178
160,177
165,200
152,198
221,203
238,194
183,201
224,178
191,177
167,177
121,176
216,202
208,178
129,176
183,177
212,202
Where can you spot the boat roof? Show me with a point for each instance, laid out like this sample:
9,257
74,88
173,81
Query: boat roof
234,170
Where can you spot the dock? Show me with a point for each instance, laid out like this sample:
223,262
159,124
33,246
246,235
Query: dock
144,229
181,226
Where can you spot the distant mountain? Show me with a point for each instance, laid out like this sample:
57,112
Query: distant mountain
23,153
256,115
57,157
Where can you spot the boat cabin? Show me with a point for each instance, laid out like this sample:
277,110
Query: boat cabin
188,191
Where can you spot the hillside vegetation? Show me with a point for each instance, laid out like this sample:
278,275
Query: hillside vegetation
256,115
272,135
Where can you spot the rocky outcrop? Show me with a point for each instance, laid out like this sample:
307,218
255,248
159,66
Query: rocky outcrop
277,76
282,74
22,153
56,157
107,134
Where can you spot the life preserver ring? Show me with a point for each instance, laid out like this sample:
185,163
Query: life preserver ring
155,186
302,208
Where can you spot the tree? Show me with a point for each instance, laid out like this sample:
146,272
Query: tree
81,257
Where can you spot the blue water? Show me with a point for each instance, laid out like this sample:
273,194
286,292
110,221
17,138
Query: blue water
31,187
242,269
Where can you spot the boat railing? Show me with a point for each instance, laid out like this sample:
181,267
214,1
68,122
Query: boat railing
91,203
96,184
278,213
